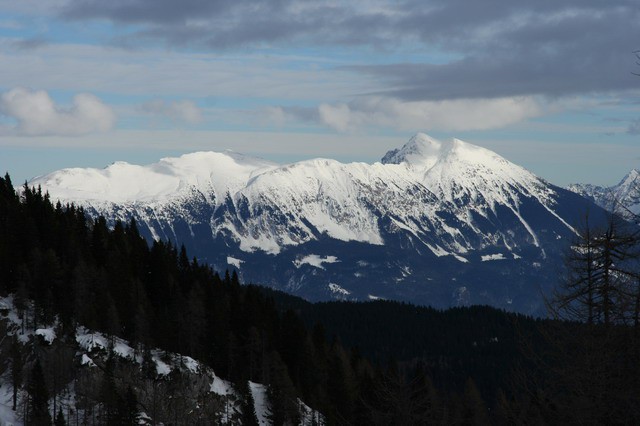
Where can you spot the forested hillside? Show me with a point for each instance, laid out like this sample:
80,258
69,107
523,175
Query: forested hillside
372,363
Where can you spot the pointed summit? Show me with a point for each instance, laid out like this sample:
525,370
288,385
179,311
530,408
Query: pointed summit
421,149
632,178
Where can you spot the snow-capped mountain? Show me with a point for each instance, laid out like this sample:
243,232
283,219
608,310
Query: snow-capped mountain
435,222
623,198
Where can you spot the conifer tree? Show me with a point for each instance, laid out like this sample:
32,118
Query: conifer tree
341,384
38,411
281,393
249,417
16,369
108,392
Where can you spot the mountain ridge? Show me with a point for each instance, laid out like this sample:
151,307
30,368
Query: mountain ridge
622,198
430,211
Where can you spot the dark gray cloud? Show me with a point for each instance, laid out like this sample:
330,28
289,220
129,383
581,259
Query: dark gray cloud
488,77
552,52
503,47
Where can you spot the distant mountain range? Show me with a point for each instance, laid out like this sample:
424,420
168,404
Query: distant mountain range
439,223
624,198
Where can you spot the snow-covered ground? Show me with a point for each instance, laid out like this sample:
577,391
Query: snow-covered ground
315,260
497,256
234,262
259,394
7,415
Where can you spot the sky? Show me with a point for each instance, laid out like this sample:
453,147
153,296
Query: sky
550,85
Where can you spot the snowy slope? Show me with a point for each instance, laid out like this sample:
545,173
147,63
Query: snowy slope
293,204
93,346
426,209
211,173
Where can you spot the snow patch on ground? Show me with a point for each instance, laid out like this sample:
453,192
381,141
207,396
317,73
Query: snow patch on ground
144,419
48,334
87,361
7,415
336,289
315,260
123,349
90,341
309,416
438,251
162,368
497,256
460,258
259,394
191,364
7,305
221,387
234,262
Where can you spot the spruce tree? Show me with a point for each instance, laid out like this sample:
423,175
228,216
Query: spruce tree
16,369
108,392
38,411
281,393
249,417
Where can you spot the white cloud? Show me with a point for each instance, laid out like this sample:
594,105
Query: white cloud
450,115
37,114
185,111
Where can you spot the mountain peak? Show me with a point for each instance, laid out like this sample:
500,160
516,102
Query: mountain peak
421,149
424,151
631,177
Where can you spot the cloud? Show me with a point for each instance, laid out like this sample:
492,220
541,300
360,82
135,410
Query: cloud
37,114
453,115
513,49
501,48
183,111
